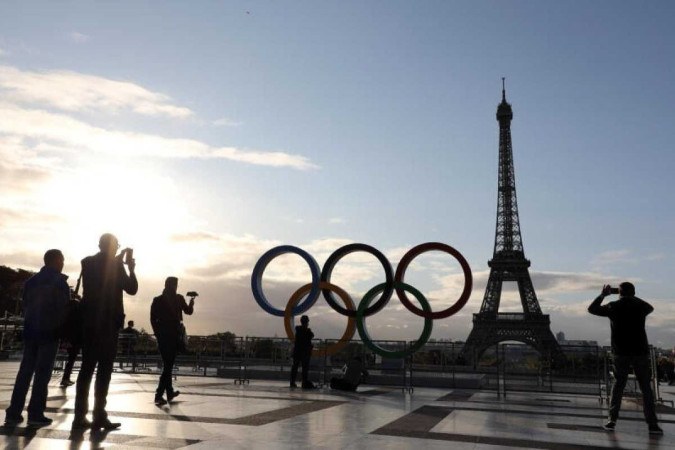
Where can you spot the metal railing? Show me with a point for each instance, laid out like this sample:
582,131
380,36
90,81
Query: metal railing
502,368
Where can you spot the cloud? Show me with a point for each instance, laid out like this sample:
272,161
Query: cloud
21,168
195,236
336,220
69,134
72,91
561,282
18,216
224,122
545,283
44,130
3,52
26,260
612,257
226,256
78,38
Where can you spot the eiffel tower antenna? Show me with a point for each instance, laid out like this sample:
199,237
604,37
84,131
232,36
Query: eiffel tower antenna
508,263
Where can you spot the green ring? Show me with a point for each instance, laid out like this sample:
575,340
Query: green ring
363,332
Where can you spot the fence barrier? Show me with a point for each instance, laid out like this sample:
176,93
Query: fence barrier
503,368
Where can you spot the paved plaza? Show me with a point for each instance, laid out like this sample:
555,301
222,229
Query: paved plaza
216,413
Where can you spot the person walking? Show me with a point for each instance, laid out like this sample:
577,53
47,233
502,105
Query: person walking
45,298
104,280
302,352
166,317
630,348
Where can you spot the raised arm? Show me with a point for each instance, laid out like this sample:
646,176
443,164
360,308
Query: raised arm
596,308
130,283
188,308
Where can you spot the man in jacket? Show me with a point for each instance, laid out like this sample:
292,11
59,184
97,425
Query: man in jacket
103,280
45,297
166,315
630,348
302,353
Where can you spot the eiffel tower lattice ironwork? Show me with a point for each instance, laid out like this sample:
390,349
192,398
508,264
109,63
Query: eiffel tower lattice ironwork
508,263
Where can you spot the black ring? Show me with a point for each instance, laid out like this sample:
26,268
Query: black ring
344,251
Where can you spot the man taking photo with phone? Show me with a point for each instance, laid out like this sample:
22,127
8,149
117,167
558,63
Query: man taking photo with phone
104,280
630,348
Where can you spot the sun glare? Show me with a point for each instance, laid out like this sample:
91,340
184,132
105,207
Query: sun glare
143,209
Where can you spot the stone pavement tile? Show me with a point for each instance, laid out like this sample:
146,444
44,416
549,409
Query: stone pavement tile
622,443
215,413
403,443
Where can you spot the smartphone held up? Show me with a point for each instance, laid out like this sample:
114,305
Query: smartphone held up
128,256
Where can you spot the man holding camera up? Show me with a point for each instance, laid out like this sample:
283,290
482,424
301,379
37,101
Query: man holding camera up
166,317
103,280
630,348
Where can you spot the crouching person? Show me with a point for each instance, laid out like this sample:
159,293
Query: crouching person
354,374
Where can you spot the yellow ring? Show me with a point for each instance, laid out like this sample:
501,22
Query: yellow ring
351,321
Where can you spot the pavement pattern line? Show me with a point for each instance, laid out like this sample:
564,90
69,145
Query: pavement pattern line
97,437
418,424
251,420
661,409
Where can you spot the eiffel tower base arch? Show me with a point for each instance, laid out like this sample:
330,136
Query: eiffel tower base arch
492,329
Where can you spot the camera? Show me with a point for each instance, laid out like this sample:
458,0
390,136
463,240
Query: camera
129,256
613,290
192,294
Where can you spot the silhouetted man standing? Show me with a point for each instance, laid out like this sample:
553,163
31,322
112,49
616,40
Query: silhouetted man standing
45,297
103,280
630,348
128,338
166,315
302,352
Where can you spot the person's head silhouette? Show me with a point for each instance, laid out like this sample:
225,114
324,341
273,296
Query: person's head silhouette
54,259
304,321
130,324
626,289
108,244
171,285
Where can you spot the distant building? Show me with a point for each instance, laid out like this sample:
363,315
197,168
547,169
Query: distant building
560,337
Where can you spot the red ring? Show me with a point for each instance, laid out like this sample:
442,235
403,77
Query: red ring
414,253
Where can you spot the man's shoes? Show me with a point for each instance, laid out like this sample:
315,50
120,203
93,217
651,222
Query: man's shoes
171,395
12,421
105,424
293,385
159,400
610,426
308,385
39,421
66,383
81,424
655,430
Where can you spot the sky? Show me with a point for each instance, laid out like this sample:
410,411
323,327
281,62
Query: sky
204,134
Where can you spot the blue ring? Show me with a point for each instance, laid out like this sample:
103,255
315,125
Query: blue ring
261,265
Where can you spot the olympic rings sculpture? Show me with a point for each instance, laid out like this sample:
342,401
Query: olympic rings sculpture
356,315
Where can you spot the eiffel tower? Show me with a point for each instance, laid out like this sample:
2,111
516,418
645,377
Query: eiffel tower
509,264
